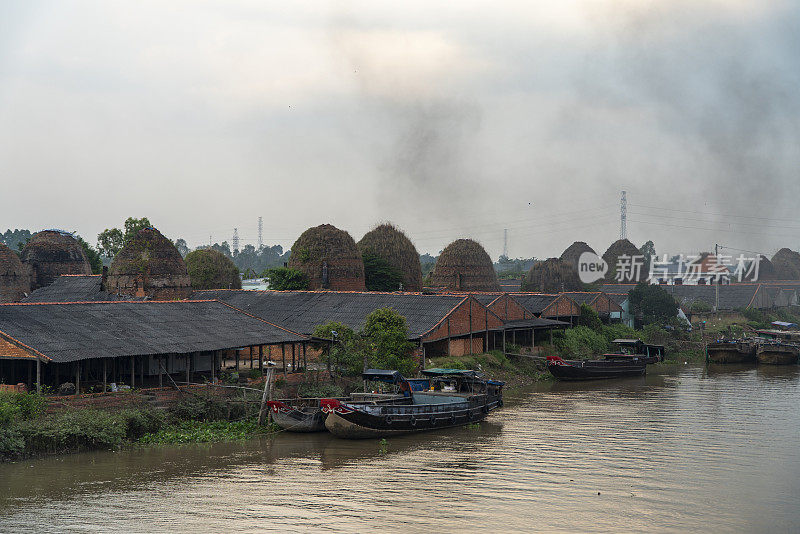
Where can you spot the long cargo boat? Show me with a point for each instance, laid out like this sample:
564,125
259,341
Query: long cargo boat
453,397
595,369
732,351
777,353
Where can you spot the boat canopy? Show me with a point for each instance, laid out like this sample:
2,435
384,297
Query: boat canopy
383,375
463,373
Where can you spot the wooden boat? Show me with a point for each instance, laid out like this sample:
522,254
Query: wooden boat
777,353
455,397
732,351
629,349
595,369
298,415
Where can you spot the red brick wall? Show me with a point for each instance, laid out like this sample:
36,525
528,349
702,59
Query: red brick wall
509,309
459,321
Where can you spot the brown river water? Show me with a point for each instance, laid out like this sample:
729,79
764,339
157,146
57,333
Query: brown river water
686,449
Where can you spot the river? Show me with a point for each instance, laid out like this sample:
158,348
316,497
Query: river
687,448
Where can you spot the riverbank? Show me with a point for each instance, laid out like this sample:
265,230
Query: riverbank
27,430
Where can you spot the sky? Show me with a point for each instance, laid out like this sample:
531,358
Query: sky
449,119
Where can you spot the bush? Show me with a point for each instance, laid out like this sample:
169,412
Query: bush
700,306
20,406
589,318
620,331
12,444
140,422
73,431
652,303
581,342
386,333
286,279
380,275
199,409
319,390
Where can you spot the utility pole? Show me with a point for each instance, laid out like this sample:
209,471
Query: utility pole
623,216
260,232
716,280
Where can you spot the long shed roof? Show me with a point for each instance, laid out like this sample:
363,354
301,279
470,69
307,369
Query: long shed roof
65,332
302,311
74,288
731,297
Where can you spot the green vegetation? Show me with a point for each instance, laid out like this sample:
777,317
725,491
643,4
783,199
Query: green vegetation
516,371
95,260
652,304
209,269
111,240
16,239
286,279
382,344
380,275
205,431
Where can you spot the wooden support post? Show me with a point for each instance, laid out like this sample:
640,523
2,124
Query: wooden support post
448,335
133,371
38,376
470,327
533,337
551,336
261,358
504,340
251,356
105,375
213,366
486,337
264,396
188,368
283,357
305,360
29,382
57,372
78,377
237,359
294,365
141,370
161,370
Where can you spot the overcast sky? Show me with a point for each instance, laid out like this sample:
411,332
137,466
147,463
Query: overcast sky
451,120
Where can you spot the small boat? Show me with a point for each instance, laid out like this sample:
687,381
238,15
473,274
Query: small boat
595,369
629,349
454,397
777,353
298,415
732,351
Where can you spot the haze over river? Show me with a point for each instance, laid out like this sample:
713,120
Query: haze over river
683,449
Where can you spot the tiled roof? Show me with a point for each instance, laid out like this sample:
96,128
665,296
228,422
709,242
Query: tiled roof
302,311
10,351
535,302
582,297
67,332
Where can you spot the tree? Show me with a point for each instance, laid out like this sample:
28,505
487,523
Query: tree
111,240
388,347
95,261
652,303
648,250
182,247
589,317
380,275
345,352
286,279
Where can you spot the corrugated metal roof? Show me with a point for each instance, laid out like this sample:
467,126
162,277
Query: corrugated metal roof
67,332
74,288
302,311
731,297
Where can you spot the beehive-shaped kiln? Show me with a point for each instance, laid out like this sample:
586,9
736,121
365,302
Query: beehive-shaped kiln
552,276
622,247
51,253
464,265
573,253
330,259
392,245
211,269
149,265
787,264
15,279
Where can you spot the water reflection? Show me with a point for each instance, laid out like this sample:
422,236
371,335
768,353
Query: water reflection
682,449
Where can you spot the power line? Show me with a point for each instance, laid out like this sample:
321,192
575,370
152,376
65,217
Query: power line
794,219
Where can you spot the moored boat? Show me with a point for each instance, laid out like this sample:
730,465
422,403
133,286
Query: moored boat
629,349
298,415
732,351
454,397
595,369
777,353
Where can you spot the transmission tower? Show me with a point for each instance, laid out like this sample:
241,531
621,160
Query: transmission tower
260,233
235,240
505,242
623,215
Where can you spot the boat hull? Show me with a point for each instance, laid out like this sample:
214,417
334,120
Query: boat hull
731,353
359,422
575,371
299,421
776,355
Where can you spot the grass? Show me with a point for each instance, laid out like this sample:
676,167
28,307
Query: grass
515,371
205,431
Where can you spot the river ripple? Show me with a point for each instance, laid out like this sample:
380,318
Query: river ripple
686,449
